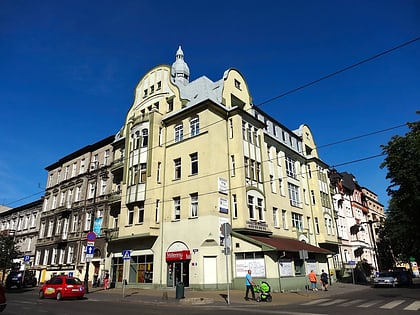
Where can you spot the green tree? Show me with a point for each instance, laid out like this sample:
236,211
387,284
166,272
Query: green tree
402,161
8,252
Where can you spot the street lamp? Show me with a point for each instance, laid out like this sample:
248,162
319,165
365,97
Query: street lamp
357,227
104,176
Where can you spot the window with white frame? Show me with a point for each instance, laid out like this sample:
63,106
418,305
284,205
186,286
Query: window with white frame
246,166
276,217
177,168
177,208
82,166
284,219
179,133
58,176
50,227
54,202
58,226
83,254
62,254
70,254
194,163
66,172
65,232
290,167
140,215
194,205
107,155
194,126
92,188
316,225
33,219
88,221
62,198
294,195
143,174
251,210
130,216
37,257
230,128
42,230
46,256
103,186
297,221
235,206
69,198
74,170
78,193
144,137
75,223
232,165
157,211
158,175
54,256
260,209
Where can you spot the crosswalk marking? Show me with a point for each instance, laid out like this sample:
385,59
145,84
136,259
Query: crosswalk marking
336,301
316,301
352,302
392,304
415,306
370,303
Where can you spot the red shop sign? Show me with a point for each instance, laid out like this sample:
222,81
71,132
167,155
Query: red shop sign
179,255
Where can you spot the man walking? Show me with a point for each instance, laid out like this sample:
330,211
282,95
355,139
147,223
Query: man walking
249,285
324,280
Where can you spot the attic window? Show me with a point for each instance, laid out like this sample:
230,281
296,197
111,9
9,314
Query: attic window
159,86
152,89
145,93
237,84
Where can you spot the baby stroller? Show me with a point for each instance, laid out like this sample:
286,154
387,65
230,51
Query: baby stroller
263,292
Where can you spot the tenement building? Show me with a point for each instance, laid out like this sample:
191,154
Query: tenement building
75,203
195,156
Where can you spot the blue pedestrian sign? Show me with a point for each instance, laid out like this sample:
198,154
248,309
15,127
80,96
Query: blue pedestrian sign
126,254
90,249
26,258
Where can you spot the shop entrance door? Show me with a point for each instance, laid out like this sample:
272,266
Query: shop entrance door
178,272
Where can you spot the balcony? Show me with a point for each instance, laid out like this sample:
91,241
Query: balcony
117,165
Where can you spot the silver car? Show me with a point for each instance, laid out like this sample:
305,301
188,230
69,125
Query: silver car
385,279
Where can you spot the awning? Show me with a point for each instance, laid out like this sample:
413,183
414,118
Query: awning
285,244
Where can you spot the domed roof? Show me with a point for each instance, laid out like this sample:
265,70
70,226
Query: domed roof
180,72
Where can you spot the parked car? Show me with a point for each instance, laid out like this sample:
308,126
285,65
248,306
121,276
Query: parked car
62,287
385,278
21,279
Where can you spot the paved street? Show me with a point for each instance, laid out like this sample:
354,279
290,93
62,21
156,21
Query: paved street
341,298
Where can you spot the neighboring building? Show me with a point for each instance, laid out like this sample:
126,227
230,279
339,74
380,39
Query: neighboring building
192,156
22,223
359,215
75,202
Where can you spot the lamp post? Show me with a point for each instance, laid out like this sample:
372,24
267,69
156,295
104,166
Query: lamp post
104,177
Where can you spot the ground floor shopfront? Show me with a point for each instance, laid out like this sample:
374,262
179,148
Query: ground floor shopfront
283,263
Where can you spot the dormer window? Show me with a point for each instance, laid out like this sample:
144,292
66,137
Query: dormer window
152,89
237,84
159,86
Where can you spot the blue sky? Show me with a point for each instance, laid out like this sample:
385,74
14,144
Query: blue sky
68,70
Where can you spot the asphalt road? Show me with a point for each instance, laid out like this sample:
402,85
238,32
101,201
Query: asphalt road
358,300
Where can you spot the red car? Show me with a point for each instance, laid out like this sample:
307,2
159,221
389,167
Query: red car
62,287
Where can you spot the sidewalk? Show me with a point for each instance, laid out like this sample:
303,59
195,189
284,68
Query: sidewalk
214,297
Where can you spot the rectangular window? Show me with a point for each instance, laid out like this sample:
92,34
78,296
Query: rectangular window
194,205
143,174
297,221
66,172
83,254
62,255
75,223
244,130
54,202
246,167
251,211
232,165
42,230
141,213
88,221
179,133
177,208
294,195
177,168
58,226
235,206
284,219
157,211
291,167
275,217
78,193
82,166
70,255
159,165
130,216
50,228
194,126
103,187
46,256
54,256
260,209
194,163
74,170
316,225
231,128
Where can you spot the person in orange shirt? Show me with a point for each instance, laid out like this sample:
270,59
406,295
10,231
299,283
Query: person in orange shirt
313,280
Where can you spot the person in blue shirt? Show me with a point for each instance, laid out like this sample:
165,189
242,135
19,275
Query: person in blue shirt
249,285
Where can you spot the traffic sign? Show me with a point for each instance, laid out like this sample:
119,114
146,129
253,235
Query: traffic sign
90,249
26,258
126,254
91,236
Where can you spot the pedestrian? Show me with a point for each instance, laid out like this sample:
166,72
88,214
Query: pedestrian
313,280
106,281
2,297
324,280
249,285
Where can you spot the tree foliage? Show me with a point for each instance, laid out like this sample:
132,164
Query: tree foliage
8,252
402,161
